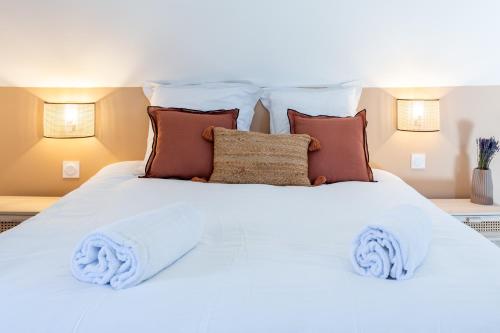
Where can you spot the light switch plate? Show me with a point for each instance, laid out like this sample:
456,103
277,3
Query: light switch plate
418,161
71,169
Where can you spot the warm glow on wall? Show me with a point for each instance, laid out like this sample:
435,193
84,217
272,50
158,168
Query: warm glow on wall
62,120
418,115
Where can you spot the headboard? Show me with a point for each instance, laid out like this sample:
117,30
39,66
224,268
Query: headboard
260,122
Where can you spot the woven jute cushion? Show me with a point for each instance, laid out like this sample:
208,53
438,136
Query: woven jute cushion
257,158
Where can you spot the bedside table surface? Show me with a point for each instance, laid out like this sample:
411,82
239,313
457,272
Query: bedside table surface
465,207
25,205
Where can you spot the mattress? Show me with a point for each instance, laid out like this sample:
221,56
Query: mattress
272,259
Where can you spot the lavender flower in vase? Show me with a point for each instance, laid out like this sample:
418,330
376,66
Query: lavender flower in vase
482,183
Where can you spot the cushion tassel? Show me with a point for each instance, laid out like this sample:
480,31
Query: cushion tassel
320,180
208,133
314,145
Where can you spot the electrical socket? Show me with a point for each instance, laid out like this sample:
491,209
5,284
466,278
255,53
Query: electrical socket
70,169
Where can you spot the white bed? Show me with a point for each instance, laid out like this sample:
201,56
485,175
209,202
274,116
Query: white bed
272,259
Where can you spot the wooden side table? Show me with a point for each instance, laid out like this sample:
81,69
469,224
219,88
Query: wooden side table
485,219
15,210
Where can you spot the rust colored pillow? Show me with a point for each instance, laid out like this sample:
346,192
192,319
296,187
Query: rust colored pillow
258,158
344,148
179,151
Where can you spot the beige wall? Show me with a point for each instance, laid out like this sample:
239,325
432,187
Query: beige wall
466,113
31,164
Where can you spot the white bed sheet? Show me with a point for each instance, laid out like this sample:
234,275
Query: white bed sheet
272,259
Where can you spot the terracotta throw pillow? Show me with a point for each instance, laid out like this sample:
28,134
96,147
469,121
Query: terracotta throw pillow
344,148
179,151
257,158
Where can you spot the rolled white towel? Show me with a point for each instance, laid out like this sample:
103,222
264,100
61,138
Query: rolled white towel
131,250
393,245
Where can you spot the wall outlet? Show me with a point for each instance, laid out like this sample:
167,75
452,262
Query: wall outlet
71,169
418,161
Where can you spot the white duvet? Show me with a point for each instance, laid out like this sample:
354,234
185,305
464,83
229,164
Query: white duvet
272,259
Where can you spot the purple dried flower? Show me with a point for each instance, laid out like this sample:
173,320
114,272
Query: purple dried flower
486,150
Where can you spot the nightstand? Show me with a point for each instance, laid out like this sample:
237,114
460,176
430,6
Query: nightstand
485,219
14,210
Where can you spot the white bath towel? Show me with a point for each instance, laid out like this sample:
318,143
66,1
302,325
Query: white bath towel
394,244
129,251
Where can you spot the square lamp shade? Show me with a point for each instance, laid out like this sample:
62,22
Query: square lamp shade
62,120
418,115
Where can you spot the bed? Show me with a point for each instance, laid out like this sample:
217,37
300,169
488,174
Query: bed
272,259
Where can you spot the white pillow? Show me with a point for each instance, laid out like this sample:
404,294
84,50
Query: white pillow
203,97
340,100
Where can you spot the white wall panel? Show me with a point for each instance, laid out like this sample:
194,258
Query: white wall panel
125,42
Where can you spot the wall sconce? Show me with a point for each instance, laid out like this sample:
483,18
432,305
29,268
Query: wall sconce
75,120
418,115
